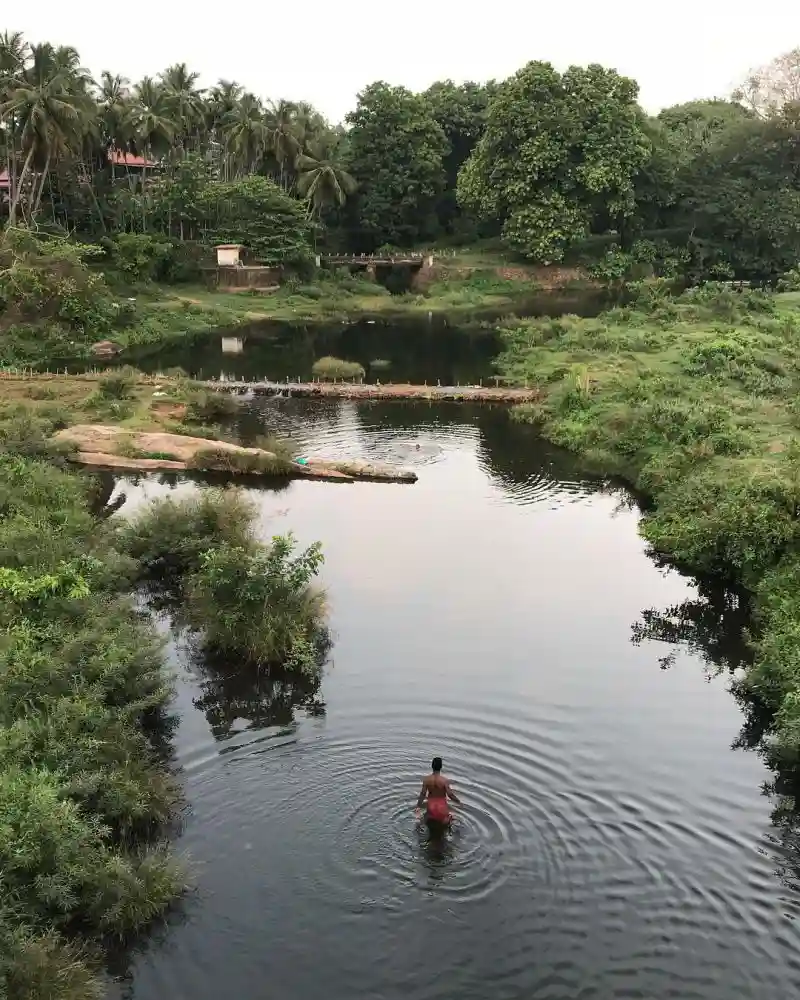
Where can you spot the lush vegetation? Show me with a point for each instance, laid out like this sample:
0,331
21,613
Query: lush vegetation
82,791
694,401
239,597
86,795
157,170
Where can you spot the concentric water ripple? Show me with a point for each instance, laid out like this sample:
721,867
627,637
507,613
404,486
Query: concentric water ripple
609,843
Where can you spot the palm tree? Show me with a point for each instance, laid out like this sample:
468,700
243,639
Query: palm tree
323,181
184,102
14,54
283,142
246,135
155,127
117,119
51,106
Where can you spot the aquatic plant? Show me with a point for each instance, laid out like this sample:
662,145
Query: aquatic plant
329,368
206,407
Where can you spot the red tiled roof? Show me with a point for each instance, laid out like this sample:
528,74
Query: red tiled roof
121,159
4,181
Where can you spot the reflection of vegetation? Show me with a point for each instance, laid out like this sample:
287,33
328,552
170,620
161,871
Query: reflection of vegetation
263,698
711,625
714,625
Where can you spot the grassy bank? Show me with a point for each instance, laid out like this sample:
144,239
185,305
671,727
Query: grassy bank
86,793
59,298
694,401
456,292
83,795
156,315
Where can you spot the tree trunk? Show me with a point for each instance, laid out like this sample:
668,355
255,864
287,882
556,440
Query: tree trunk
12,215
45,173
84,173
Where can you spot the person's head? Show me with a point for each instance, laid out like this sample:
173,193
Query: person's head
436,765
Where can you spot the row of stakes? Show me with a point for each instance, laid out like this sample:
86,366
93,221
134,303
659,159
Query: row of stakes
344,381
34,373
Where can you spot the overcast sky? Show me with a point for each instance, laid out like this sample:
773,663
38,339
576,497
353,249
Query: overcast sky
325,52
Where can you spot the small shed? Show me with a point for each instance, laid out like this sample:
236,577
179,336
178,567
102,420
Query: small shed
229,254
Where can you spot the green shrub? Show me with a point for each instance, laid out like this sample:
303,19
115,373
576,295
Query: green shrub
118,384
138,256
241,462
259,606
735,522
168,538
47,278
329,368
207,407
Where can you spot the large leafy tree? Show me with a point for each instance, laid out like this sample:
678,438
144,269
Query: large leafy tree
460,111
557,150
396,155
741,199
676,137
256,212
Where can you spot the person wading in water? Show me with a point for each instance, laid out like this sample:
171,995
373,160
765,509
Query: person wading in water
436,790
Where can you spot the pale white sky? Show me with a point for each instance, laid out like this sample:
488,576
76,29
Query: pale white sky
325,52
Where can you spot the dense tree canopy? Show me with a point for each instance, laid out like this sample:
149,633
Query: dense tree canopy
540,160
396,155
460,111
556,150
742,199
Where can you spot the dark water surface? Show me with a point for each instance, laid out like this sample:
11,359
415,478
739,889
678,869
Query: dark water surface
408,351
611,842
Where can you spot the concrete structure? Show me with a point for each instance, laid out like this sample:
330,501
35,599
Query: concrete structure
229,254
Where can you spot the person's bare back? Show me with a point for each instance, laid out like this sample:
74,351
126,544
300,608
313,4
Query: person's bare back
434,794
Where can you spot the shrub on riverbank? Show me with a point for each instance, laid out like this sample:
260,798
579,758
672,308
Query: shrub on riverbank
82,791
693,400
260,606
169,537
330,369
240,597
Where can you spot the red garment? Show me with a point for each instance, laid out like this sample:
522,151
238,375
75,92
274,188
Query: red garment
438,810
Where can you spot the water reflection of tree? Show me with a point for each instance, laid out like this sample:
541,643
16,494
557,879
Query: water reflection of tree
714,625
711,625
231,692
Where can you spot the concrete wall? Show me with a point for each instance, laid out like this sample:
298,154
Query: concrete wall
228,256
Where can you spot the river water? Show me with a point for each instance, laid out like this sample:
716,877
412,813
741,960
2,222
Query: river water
611,842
